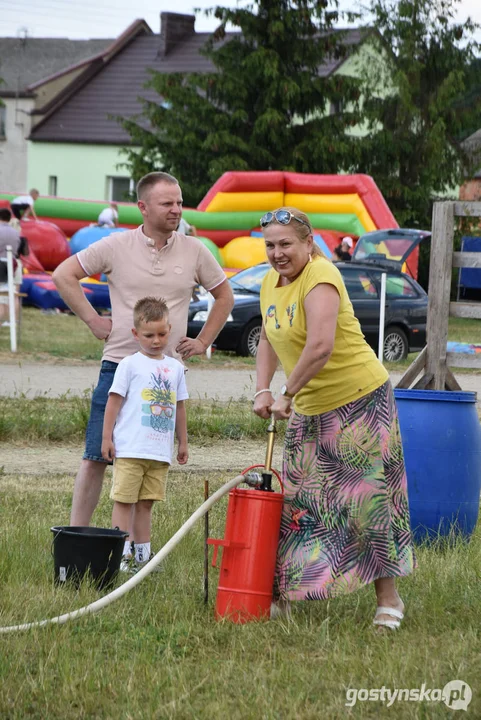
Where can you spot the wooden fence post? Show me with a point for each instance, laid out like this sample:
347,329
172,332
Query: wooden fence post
439,291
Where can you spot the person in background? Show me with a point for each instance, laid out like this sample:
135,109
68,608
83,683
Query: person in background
8,236
337,255
345,521
23,205
155,260
186,229
109,217
144,409
23,251
343,250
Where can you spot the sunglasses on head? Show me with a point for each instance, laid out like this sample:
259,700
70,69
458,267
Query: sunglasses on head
283,217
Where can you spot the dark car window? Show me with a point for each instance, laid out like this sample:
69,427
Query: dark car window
398,286
358,284
250,279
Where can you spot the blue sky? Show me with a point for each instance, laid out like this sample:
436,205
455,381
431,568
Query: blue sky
109,18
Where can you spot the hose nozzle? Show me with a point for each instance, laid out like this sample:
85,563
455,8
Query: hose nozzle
253,479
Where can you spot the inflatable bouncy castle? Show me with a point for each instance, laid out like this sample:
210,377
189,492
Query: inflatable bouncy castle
227,219
336,205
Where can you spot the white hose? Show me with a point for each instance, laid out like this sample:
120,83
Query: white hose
138,577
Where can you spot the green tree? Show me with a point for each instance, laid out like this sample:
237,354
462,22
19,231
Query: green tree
412,147
265,105
471,97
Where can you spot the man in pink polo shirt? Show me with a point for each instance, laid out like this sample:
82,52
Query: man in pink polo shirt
152,260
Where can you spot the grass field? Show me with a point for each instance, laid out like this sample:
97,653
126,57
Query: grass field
63,337
159,653
64,420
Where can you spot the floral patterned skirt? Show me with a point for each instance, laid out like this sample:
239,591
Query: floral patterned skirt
345,521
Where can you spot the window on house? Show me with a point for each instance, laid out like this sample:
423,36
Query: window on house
52,185
3,121
337,107
120,188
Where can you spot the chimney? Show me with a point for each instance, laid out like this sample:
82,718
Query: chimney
174,28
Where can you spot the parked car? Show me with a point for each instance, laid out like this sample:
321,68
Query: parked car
406,301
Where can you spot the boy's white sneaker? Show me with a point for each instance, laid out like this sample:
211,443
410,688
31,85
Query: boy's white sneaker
128,564
157,568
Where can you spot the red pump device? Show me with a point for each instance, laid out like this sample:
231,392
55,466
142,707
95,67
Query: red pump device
250,544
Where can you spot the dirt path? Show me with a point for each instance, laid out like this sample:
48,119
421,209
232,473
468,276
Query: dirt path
55,380
205,383
218,383
230,456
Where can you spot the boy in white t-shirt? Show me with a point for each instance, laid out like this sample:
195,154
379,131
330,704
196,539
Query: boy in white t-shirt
23,205
145,407
109,217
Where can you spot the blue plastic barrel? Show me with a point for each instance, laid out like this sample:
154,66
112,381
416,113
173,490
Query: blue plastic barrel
441,437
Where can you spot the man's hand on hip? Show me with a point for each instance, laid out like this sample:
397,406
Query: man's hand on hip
101,327
188,347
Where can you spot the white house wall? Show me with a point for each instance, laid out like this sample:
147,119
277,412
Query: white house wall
82,170
13,149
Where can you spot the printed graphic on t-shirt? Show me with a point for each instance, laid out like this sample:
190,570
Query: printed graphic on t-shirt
159,413
271,313
290,310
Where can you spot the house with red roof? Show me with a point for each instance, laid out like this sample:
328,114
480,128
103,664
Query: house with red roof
34,71
75,141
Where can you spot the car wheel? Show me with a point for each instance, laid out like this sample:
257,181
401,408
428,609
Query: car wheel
250,338
396,346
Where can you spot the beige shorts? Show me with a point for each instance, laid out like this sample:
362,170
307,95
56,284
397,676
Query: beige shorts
136,479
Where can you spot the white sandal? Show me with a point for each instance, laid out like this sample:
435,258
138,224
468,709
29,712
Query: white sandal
391,624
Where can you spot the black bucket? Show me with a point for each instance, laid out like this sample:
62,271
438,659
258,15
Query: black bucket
81,550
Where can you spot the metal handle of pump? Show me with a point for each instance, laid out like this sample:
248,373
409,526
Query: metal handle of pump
266,482
270,443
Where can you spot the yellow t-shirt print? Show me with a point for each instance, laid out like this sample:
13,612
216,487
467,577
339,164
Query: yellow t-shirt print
272,315
290,310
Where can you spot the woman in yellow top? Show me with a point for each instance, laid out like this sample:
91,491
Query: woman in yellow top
345,520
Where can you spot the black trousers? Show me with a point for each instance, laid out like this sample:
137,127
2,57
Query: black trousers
19,208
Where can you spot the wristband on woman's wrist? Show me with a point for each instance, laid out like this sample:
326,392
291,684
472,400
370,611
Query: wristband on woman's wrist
259,392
